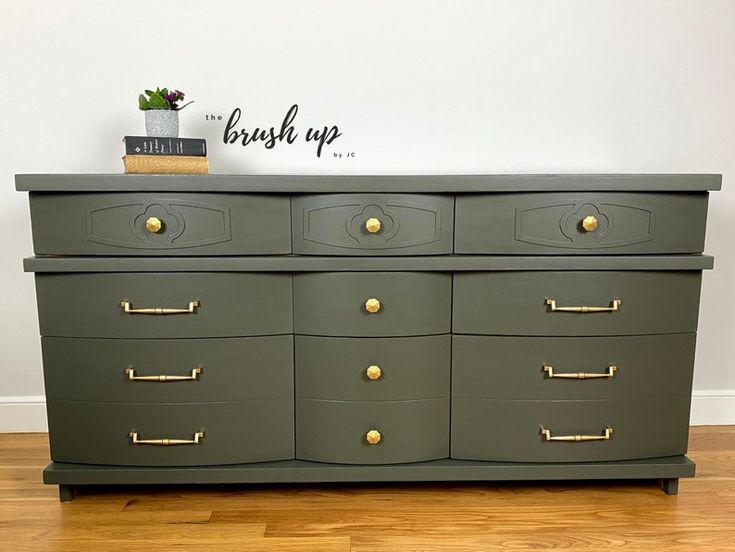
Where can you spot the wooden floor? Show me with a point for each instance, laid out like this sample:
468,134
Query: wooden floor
386,518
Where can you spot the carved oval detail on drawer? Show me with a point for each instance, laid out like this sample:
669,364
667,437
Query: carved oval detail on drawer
407,223
319,227
560,225
185,224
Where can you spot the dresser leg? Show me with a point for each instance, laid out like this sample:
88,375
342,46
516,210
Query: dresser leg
669,486
67,492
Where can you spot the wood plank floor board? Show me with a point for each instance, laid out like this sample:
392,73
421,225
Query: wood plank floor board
411,517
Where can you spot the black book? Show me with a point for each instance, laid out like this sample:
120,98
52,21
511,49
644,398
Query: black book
151,145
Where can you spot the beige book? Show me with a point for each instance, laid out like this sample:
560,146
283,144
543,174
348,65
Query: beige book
166,164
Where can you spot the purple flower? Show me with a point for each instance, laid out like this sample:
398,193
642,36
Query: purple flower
171,96
180,94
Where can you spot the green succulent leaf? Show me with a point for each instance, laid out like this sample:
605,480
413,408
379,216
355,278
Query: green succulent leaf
157,101
143,103
149,92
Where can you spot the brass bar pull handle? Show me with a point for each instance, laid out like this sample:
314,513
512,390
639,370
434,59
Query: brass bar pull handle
128,308
577,438
581,375
130,371
198,436
614,306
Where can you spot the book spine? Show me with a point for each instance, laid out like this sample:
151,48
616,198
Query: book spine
147,145
162,164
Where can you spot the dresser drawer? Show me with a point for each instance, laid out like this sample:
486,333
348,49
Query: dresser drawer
373,224
585,223
518,303
160,224
123,370
375,369
229,304
499,430
233,432
340,303
606,367
402,431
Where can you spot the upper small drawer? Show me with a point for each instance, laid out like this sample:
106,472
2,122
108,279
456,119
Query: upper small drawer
372,304
373,224
581,223
160,224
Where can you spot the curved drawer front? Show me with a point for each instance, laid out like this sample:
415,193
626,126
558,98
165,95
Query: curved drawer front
582,223
337,432
233,432
125,370
376,369
228,304
518,303
408,303
160,224
373,224
498,430
572,367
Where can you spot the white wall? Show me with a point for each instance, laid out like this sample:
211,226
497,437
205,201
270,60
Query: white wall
421,86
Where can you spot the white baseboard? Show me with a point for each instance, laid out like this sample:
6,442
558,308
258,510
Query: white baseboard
713,407
28,414
23,414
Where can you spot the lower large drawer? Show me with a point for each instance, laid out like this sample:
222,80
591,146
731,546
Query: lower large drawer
545,368
576,303
230,432
512,431
372,432
183,304
150,370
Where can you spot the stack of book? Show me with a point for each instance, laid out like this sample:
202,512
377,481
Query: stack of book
156,155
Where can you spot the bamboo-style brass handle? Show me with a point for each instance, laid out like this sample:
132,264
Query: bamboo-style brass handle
589,223
198,436
373,437
127,307
372,225
130,371
614,306
581,375
373,372
607,433
153,225
372,305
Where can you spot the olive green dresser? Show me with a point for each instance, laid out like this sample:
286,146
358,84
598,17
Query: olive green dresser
254,329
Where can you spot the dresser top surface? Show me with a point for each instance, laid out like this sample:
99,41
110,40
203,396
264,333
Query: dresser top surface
368,183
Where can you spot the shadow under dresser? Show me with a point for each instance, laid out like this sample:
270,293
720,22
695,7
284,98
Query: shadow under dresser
256,329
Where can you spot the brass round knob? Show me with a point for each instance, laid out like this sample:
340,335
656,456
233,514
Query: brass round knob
153,224
373,372
372,225
372,305
373,437
589,223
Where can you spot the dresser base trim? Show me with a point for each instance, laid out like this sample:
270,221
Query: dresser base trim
667,470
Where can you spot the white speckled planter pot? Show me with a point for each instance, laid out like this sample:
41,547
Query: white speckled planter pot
162,122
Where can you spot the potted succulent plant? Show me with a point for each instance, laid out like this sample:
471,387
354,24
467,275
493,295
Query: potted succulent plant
162,111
